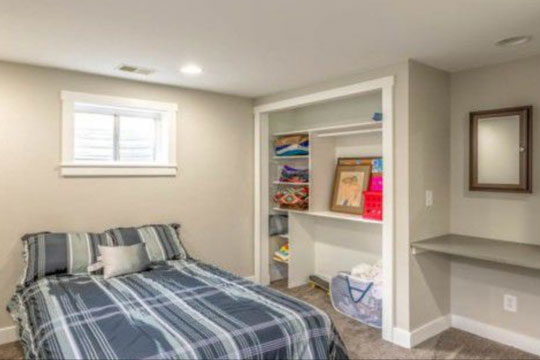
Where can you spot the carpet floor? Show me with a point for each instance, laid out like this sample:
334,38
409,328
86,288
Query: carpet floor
364,342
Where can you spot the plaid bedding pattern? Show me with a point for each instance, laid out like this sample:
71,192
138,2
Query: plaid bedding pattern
60,253
162,242
181,309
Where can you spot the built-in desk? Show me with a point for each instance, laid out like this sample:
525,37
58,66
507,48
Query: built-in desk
502,252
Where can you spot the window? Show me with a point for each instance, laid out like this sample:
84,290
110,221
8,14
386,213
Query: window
109,134
112,136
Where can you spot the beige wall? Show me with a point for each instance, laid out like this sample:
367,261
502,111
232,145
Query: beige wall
477,288
211,196
429,167
401,161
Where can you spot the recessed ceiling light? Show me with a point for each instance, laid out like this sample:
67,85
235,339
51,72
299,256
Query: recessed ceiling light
514,40
191,69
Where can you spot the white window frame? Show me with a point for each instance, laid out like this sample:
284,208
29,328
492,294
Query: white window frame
69,167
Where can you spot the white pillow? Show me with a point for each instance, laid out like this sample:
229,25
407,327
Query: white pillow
121,260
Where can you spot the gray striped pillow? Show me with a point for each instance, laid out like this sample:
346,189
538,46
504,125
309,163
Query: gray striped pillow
60,253
162,241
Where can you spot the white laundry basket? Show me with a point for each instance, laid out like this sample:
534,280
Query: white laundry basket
360,300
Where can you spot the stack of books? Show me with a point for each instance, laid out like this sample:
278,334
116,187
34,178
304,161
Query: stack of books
282,255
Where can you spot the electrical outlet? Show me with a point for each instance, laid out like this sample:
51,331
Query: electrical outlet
429,198
510,303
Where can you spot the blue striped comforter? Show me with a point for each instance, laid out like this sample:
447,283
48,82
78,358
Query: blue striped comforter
183,310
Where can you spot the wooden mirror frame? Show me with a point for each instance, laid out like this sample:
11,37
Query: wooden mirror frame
525,157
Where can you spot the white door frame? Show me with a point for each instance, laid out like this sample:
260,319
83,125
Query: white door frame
261,211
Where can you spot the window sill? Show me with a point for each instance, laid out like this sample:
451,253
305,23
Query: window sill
117,170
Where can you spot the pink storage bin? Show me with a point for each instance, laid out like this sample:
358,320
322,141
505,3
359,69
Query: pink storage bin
376,183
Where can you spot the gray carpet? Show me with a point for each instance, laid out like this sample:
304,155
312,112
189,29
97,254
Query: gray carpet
364,342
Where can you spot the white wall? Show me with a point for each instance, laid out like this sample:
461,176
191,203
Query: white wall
477,288
338,112
212,195
340,245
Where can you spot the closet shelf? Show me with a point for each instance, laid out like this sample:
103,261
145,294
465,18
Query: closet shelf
370,124
295,132
288,210
497,251
280,261
350,132
333,215
291,157
341,216
291,183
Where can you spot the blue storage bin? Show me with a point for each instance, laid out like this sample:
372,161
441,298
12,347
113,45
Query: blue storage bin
357,299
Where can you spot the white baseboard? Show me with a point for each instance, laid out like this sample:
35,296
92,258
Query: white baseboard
409,339
500,335
401,337
250,278
8,334
429,330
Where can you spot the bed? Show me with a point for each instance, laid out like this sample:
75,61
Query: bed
180,309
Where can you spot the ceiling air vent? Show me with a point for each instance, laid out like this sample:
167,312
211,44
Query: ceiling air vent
135,69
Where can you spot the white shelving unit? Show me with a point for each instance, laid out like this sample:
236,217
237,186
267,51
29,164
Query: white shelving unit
341,216
318,227
322,242
305,160
349,133
354,125
331,215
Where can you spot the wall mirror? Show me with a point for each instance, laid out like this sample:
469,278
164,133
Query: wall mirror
501,150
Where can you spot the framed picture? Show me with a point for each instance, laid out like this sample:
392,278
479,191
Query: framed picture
375,162
350,182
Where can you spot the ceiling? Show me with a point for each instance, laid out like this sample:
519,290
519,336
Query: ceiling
257,47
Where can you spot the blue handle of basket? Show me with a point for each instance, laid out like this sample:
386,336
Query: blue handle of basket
363,291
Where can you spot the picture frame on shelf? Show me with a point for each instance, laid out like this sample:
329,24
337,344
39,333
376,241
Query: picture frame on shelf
351,179
376,162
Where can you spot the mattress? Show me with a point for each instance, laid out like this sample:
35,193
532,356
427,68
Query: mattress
182,309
